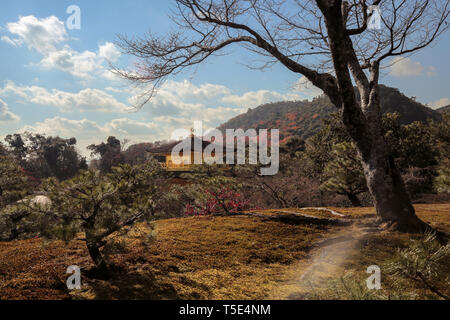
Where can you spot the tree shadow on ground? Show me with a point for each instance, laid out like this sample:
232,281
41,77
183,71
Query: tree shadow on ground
133,286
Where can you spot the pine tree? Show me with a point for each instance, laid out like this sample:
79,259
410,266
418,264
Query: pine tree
344,174
102,204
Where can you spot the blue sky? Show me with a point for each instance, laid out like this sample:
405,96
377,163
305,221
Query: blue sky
55,81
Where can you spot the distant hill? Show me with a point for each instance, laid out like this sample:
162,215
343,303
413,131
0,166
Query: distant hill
304,118
443,110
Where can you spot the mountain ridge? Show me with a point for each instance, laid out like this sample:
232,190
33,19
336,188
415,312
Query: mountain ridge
304,118
444,109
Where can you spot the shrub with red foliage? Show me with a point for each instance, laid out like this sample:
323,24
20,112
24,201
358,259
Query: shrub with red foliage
32,180
225,200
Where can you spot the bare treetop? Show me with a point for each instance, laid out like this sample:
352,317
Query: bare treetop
292,33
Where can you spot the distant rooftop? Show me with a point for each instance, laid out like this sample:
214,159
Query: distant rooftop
167,148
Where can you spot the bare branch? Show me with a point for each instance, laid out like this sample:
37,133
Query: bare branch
293,33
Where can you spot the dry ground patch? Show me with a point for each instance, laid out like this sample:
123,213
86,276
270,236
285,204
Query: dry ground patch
190,258
235,257
338,271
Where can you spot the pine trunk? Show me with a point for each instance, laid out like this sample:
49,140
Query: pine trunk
100,263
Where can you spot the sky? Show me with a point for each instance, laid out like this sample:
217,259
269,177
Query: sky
56,80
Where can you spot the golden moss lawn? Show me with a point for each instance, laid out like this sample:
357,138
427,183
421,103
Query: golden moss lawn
236,257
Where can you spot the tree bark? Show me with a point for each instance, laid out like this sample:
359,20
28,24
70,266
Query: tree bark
387,188
100,263
362,120
101,267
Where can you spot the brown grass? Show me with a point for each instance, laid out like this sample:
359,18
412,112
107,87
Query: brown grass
190,258
308,212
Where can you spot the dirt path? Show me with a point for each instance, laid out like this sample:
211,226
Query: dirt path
326,262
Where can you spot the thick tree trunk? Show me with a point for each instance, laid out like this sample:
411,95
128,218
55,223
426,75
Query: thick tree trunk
354,199
362,120
383,178
387,188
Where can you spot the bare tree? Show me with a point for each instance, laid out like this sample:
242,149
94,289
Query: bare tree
309,37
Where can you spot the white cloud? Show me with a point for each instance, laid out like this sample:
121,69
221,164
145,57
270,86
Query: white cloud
5,114
40,34
109,52
187,89
12,42
49,37
79,64
116,90
405,67
306,89
65,127
302,89
132,128
174,99
439,103
188,101
86,64
253,98
85,100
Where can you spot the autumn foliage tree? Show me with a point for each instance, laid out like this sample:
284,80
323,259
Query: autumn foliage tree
214,195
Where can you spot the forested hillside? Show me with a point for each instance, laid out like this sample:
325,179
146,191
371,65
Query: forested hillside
304,118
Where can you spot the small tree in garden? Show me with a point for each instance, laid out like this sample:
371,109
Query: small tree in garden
319,147
215,195
100,205
344,173
331,157
289,188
